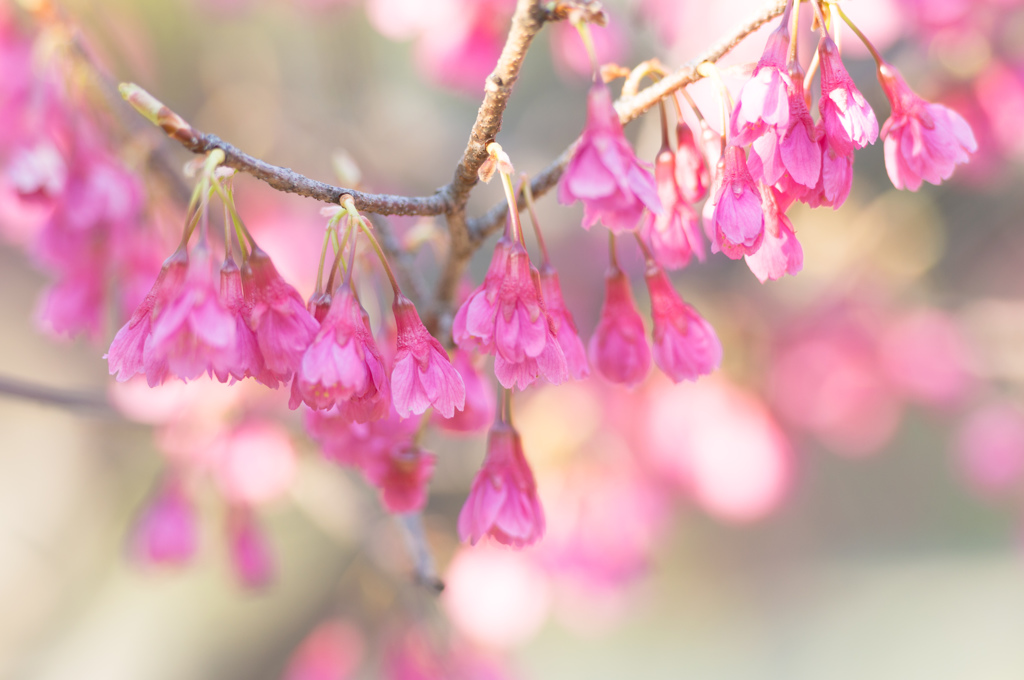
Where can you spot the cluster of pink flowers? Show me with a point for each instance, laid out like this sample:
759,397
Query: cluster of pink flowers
66,196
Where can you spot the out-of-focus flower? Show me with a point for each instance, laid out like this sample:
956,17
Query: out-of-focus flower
923,141
618,347
692,176
402,474
503,501
166,532
990,446
248,548
332,651
604,172
569,54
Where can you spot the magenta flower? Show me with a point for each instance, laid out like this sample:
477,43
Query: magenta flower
505,316
247,360
618,348
166,532
194,332
737,224
848,119
247,545
423,375
503,502
563,324
692,176
763,102
604,172
277,315
685,345
130,351
673,236
342,366
923,141
788,149
780,253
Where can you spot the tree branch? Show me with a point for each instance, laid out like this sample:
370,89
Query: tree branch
628,109
527,21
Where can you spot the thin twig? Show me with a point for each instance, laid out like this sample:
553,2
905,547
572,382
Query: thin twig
53,396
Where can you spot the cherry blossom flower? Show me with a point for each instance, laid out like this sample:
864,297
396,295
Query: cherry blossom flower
503,502
923,141
618,348
685,345
737,223
763,101
563,324
848,120
780,252
194,331
130,351
402,474
604,172
506,316
247,360
342,366
692,176
277,315
674,235
423,375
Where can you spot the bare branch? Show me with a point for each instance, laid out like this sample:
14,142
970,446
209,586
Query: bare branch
53,396
628,109
527,21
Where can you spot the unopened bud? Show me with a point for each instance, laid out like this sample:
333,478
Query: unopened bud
157,113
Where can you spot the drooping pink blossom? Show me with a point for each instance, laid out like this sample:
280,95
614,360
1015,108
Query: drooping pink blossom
990,447
685,345
618,348
353,444
692,175
423,375
277,315
763,101
780,252
247,359
848,120
923,141
194,331
791,149
166,532
563,324
502,501
129,352
478,412
674,235
250,553
604,171
342,366
506,316
737,223
74,304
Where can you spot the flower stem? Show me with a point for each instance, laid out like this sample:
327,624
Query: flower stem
859,34
364,224
524,187
513,209
588,43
